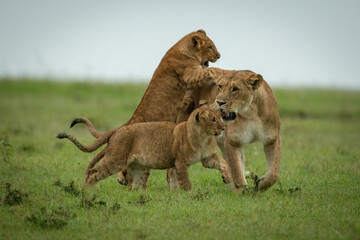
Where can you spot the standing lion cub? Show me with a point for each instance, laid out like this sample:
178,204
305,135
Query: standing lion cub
158,145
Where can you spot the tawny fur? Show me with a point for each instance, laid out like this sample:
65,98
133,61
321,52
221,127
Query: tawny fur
158,145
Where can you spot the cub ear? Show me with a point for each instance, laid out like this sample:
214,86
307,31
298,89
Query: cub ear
255,81
197,117
202,31
196,41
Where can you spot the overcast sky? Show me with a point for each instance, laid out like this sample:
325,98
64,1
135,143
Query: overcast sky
292,43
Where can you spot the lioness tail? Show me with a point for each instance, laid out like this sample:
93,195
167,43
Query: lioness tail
86,121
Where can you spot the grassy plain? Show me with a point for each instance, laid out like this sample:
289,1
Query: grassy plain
317,197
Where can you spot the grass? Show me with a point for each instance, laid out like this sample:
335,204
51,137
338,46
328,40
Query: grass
41,195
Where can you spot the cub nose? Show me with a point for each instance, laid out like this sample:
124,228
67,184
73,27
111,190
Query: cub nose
220,103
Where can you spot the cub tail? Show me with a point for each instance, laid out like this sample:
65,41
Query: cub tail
101,140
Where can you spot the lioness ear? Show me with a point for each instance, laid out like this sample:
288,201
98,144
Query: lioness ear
197,117
255,81
202,31
196,41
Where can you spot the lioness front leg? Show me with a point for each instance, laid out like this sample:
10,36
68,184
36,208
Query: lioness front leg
272,152
216,162
233,153
182,174
187,106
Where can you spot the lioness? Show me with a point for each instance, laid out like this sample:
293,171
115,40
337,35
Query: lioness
250,109
157,145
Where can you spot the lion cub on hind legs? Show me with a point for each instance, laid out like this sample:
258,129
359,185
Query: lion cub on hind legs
156,145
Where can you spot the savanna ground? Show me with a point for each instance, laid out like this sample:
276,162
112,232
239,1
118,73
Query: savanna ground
41,197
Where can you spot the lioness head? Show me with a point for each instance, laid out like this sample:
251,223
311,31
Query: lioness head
202,48
208,120
236,92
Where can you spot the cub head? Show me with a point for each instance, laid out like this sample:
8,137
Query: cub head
202,48
208,121
236,92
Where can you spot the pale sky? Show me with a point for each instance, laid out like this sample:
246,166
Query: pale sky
291,43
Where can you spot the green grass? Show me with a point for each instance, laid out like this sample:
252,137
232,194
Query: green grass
317,197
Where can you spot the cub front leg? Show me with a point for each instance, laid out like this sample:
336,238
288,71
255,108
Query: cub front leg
233,153
216,162
182,174
272,152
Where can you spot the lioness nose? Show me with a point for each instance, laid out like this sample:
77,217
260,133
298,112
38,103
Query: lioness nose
220,103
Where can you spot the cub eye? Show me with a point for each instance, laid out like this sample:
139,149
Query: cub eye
235,89
219,86
214,120
211,48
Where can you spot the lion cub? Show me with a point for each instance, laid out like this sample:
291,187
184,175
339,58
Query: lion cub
158,145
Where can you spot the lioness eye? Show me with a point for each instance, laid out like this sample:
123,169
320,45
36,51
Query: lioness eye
220,86
214,120
235,89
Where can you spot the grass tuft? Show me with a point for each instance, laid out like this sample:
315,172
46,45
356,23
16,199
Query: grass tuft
71,188
50,219
12,197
